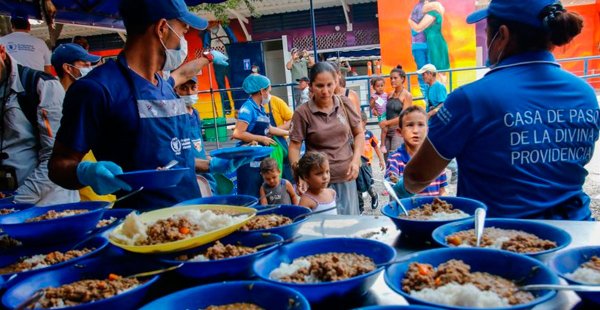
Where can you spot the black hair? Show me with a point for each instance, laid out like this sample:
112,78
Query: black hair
399,71
20,23
81,40
412,108
375,80
268,164
134,14
560,27
308,162
319,68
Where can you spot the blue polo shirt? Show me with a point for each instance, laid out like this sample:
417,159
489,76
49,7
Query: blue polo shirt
436,95
251,113
522,136
100,113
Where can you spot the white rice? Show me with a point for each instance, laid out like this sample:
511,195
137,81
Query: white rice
464,295
285,270
496,245
198,258
585,275
134,229
443,216
37,262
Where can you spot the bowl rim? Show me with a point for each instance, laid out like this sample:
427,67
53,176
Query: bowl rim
553,261
292,292
189,201
569,238
541,299
312,285
95,207
388,206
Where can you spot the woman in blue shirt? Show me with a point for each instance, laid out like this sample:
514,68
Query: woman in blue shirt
254,125
523,133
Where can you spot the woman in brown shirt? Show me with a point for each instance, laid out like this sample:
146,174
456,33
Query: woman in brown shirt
330,124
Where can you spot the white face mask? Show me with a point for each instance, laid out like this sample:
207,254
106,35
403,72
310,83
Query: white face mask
266,100
83,71
190,100
174,58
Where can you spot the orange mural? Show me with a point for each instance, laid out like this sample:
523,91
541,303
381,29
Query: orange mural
396,36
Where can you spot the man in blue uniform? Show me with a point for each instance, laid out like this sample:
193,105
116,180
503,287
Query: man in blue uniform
129,116
523,134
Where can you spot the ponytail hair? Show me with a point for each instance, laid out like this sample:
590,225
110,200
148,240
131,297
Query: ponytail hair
562,26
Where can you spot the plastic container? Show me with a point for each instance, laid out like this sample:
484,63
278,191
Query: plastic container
208,126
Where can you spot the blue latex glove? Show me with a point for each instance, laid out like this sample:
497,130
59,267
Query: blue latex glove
401,190
225,166
101,177
219,58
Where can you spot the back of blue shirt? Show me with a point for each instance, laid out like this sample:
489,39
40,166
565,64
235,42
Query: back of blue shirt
522,136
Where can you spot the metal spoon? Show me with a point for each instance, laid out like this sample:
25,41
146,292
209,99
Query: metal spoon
561,287
170,165
312,213
388,187
37,295
286,241
129,194
397,261
479,225
153,272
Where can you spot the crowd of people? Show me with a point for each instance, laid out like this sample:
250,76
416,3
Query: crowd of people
66,138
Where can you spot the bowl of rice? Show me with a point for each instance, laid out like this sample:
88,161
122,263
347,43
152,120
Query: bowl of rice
110,219
470,278
527,237
326,270
580,266
224,200
178,228
227,258
33,260
55,223
428,213
102,279
253,295
11,208
277,221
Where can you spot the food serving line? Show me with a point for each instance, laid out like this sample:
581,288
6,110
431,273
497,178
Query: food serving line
381,228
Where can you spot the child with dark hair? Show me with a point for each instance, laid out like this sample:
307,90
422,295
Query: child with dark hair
364,182
275,190
313,168
413,129
379,98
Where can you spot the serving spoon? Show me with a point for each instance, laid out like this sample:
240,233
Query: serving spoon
479,225
390,189
312,213
561,287
268,244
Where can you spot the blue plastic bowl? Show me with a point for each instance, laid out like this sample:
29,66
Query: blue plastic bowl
409,307
56,230
153,179
543,231
501,263
98,243
228,200
328,291
286,231
419,231
265,295
93,268
119,214
569,260
16,206
224,269
9,197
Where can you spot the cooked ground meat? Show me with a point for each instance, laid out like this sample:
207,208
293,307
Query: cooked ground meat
420,276
84,291
427,210
593,263
236,306
41,261
220,251
266,222
7,242
6,211
169,230
511,240
51,215
331,267
106,222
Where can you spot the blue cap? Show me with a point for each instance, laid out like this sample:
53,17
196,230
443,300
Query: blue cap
69,53
255,82
523,11
173,9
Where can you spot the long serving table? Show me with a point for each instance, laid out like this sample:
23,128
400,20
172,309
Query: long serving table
383,229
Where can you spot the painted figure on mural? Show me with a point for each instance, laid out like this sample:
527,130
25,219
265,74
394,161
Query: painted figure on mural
217,37
431,26
419,45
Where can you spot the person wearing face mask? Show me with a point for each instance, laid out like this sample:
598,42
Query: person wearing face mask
72,62
254,126
523,133
129,116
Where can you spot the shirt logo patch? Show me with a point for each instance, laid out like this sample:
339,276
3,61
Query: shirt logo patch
342,119
176,146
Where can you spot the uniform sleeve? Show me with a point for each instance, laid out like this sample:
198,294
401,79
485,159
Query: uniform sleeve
38,185
246,115
449,128
84,107
299,126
